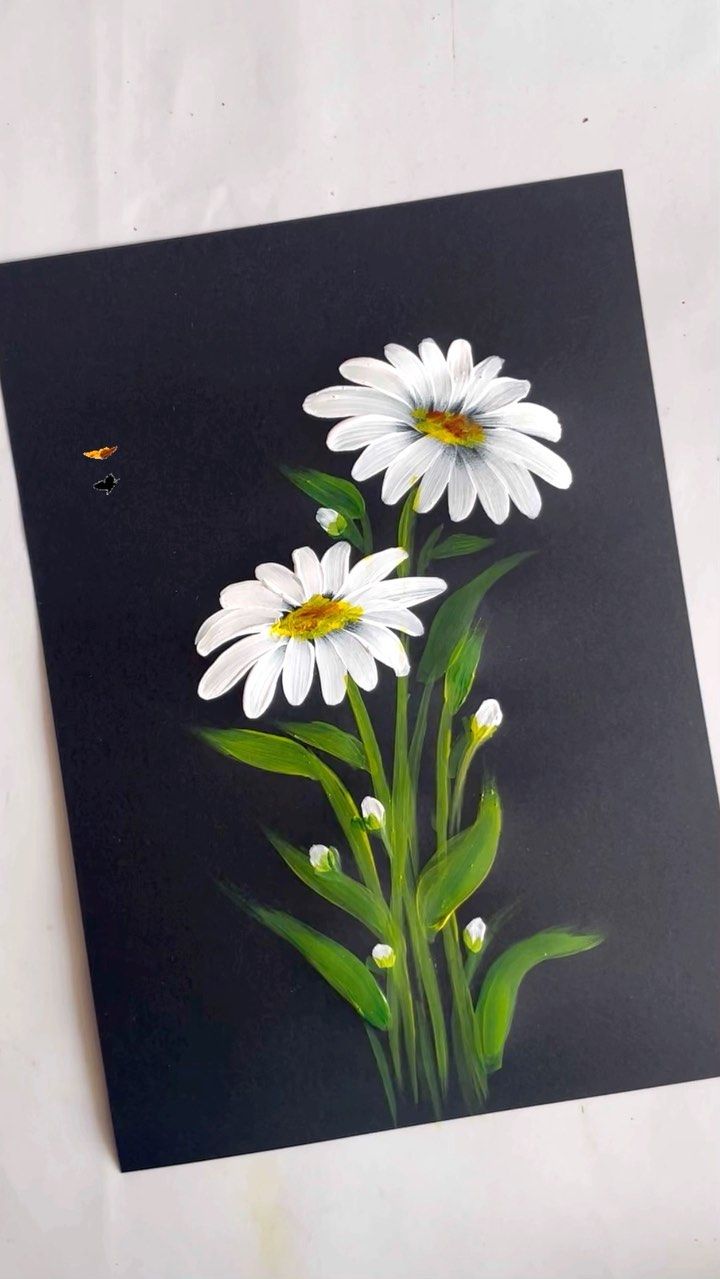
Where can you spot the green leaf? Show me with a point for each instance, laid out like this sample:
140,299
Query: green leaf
263,750
337,888
459,544
462,668
340,968
498,995
328,738
328,490
456,615
453,874
427,548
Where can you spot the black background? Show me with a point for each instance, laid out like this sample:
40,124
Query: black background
194,356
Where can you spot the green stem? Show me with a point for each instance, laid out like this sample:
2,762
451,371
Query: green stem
370,744
430,985
460,781
383,1070
366,533
346,811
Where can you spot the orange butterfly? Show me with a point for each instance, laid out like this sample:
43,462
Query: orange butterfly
99,455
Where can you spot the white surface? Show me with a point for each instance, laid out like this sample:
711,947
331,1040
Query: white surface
140,119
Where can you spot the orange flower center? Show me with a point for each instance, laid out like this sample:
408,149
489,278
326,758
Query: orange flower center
450,428
318,616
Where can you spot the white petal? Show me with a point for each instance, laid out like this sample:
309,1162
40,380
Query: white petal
533,419
460,364
278,578
491,490
356,432
413,372
519,483
262,681
517,447
235,662
384,645
481,375
435,480
372,569
343,401
297,671
378,374
408,468
406,591
499,392
438,372
331,671
308,571
249,595
378,455
358,662
335,563
461,491
390,614
231,623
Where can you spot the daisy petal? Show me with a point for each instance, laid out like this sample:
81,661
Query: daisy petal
434,481
407,591
520,485
335,563
297,671
461,492
479,378
358,662
372,569
378,374
384,646
331,671
536,457
532,419
460,364
490,490
356,432
408,468
387,613
278,578
345,401
235,662
438,372
501,391
262,681
249,595
231,623
308,571
378,455
413,372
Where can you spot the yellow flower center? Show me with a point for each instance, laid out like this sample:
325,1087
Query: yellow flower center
318,616
450,428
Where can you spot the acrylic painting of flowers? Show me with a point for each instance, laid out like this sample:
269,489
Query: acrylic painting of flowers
435,989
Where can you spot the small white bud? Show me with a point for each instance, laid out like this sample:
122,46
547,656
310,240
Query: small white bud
486,720
474,934
384,956
331,521
373,813
323,858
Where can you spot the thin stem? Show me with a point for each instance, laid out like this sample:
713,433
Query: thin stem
383,1070
460,782
346,811
430,985
370,743
367,536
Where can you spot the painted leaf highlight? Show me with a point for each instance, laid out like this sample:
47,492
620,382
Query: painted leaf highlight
459,544
453,874
498,995
337,888
328,490
328,738
262,750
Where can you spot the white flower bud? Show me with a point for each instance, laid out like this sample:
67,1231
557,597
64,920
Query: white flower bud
474,934
323,858
486,720
331,521
384,956
373,813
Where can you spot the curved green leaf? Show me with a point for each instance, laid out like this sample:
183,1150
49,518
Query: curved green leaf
498,995
340,968
459,544
453,874
328,738
328,490
263,750
337,888
455,617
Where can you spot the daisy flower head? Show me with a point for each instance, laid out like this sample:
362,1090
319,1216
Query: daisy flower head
320,614
445,422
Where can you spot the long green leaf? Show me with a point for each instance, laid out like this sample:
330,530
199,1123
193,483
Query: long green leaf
459,544
328,490
263,750
384,1072
337,888
498,995
455,617
331,740
340,968
454,873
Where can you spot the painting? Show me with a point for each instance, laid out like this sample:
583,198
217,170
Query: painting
370,668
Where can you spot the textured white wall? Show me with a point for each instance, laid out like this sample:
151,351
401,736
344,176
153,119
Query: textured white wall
125,120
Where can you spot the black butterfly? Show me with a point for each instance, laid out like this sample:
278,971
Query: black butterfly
108,484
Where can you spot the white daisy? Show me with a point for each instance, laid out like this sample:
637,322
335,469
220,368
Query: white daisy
446,422
323,614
